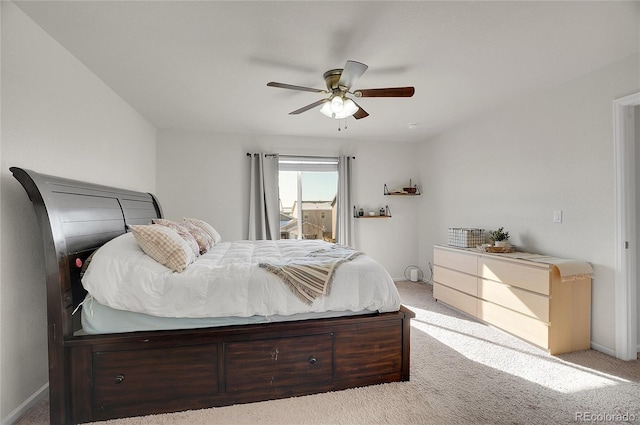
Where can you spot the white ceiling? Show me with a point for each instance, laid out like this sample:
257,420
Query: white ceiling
204,65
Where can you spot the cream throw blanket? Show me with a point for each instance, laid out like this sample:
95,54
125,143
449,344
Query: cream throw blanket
310,276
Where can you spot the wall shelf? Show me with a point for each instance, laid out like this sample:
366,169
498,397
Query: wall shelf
387,213
402,192
373,216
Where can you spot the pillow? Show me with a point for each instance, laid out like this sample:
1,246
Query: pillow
182,231
164,245
206,227
204,240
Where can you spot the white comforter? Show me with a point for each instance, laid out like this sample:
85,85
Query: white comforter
227,281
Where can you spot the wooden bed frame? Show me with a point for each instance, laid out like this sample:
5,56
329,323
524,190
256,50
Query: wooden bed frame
99,377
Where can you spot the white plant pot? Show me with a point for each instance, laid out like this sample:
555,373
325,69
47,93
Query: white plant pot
501,243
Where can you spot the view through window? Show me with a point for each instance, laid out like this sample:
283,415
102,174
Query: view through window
308,188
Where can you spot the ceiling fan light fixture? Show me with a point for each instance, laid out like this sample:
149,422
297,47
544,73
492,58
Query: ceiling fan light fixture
337,104
349,108
339,109
326,110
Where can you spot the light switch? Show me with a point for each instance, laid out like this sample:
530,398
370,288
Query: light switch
557,216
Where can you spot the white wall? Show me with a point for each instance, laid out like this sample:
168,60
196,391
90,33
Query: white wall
57,118
207,176
514,167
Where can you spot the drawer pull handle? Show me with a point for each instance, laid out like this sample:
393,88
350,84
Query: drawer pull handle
119,379
312,359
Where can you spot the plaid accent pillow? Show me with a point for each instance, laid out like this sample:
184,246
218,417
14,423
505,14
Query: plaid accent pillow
204,240
163,245
182,231
206,227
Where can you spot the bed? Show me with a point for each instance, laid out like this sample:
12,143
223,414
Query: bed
148,364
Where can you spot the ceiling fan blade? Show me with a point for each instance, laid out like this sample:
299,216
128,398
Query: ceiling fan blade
360,113
387,92
351,72
292,87
310,106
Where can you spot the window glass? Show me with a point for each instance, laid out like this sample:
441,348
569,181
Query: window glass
311,183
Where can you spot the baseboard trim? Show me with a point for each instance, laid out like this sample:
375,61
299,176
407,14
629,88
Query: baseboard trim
603,349
20,411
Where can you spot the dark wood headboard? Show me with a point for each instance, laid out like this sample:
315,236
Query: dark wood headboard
75,218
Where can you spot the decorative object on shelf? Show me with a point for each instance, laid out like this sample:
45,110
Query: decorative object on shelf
498,249
372,213
465,237
360,212
405,191
382,213
499,237
411,188
387,211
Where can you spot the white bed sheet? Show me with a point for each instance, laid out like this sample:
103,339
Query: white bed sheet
227,282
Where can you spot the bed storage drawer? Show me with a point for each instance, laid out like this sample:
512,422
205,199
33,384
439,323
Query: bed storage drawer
145,377
278,362
377,355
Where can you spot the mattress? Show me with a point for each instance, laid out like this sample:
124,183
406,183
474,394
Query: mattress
100,319
222,287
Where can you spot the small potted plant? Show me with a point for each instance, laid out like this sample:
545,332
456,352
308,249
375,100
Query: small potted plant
499,237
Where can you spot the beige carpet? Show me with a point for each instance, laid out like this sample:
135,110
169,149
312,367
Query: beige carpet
462,371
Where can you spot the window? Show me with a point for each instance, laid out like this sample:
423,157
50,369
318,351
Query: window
308,187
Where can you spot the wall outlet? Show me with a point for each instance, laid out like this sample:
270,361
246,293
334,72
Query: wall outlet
557,216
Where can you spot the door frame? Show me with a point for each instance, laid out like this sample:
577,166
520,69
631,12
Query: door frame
626,325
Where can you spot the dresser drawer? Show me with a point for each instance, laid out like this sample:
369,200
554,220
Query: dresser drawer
278,362
145,376
456,280
525,302
518,324
457,299
527,277
461,261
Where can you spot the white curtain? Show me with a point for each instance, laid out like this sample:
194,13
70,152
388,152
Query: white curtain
344,222
264,211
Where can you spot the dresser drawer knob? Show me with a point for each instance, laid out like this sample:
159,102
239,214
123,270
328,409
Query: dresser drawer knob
119,379
312,359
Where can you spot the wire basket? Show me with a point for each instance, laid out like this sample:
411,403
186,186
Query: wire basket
465,237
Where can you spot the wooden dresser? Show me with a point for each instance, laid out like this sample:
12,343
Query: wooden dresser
527,298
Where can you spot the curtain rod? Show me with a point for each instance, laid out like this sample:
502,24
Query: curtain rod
295,156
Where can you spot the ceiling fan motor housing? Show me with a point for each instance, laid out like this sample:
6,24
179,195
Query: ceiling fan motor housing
332,77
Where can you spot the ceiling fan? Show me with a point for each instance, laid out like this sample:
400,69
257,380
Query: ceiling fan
339,82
